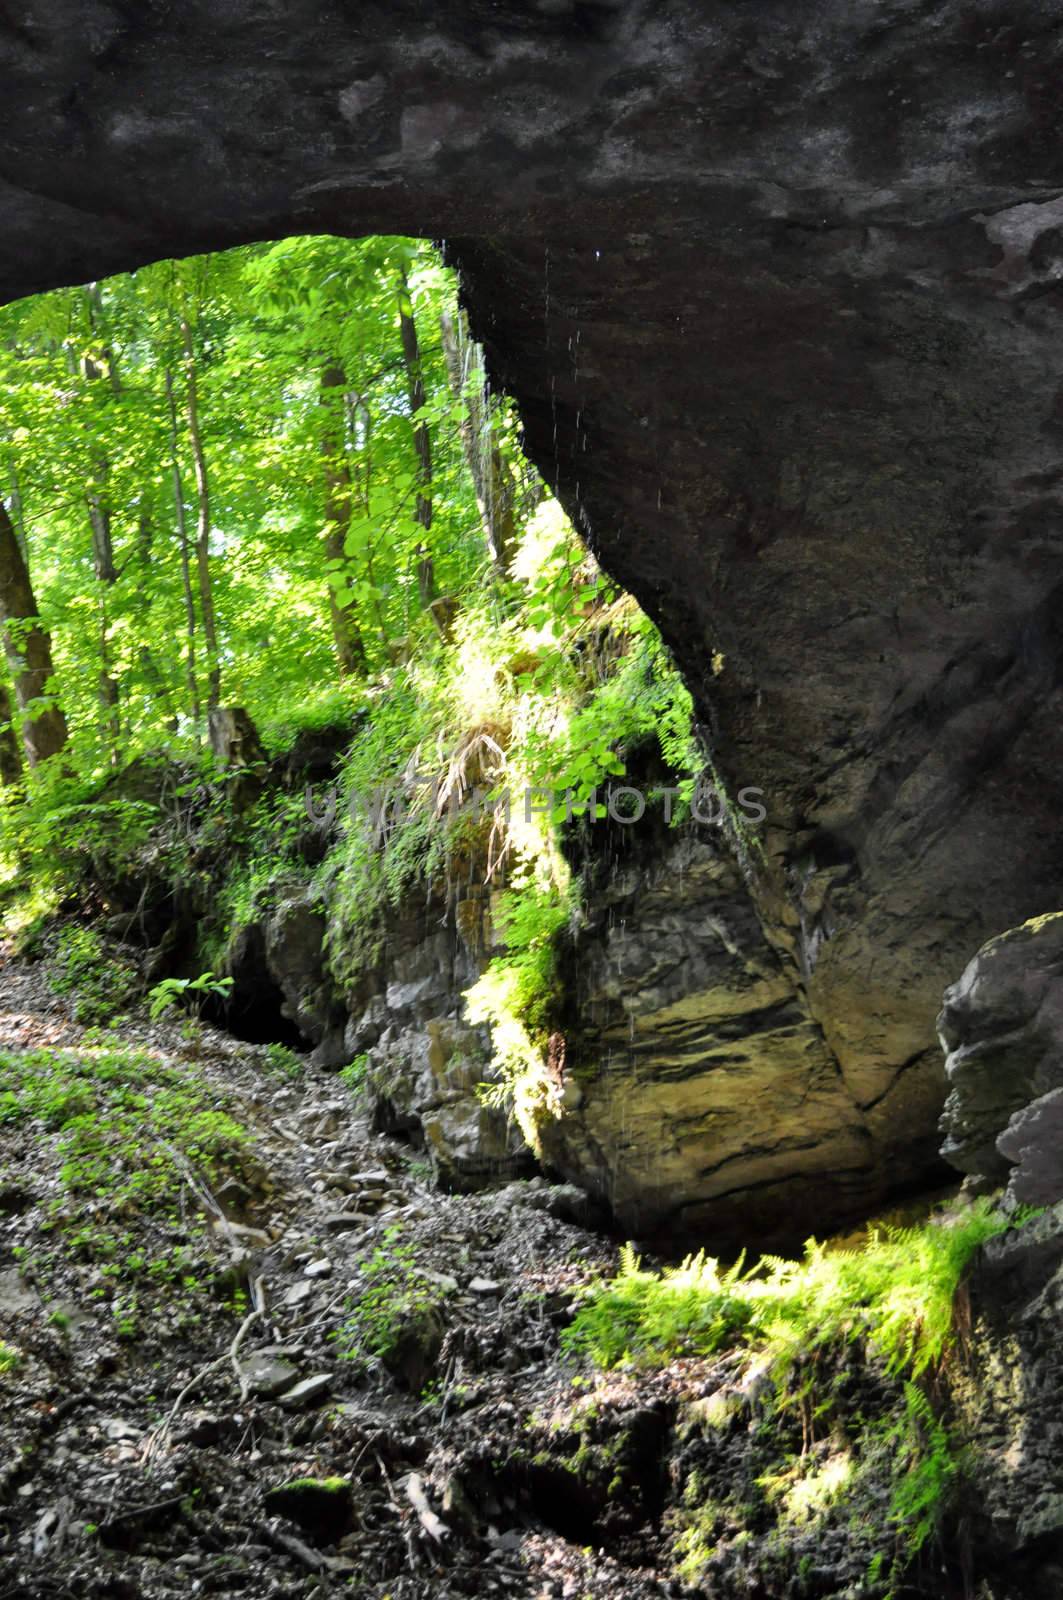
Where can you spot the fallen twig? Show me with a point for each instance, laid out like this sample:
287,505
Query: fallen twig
158,1437
295,1547
432,1525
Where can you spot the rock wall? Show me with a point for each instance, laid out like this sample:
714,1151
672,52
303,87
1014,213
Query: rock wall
707,1103
700,1097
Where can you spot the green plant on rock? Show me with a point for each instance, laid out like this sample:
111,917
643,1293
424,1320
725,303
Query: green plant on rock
355,1076
396,1310
891,1302
279,1058
516,996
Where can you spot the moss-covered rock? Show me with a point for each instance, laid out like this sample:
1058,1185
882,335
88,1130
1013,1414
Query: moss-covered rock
321,1506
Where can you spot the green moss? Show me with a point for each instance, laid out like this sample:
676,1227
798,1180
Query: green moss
317,1485
320,1505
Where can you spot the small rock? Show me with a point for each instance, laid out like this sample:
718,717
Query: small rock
239,1230
200,1429
346,1221
15,1294
321,1268
337,1180
484,1286
307,1391
268,1376
298,1293
115,1428
443,1279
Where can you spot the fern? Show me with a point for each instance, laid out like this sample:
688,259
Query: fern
893,1298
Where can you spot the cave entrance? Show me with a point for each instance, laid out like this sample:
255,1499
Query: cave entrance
254,1009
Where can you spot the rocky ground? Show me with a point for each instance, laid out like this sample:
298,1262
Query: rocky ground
246,1348
145,1448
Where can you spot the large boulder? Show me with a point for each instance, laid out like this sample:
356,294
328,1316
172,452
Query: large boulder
425,1065
1001,1027
703,1101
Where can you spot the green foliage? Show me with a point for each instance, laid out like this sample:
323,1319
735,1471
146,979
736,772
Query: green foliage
130,1134
644,1316
9,1358
394,1305
172,992
88,375
895,1293
893,1299
355,1074
102,984
515,997
280,1059
926,1467
528,675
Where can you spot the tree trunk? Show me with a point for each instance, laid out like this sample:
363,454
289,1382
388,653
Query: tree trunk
106,574
153,673
199,462
492,480
422,440
10,759
346,635
28,650
16,510
99,509
186,563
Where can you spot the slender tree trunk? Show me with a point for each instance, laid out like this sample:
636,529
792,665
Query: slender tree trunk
28,649
153,672
199,462
106,575
148,661
10,757
98,501
359,422
16,509
492,480
186,563
422,439
346,634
